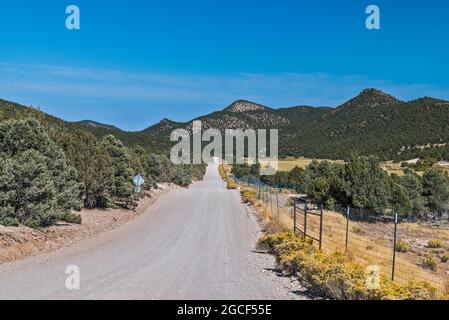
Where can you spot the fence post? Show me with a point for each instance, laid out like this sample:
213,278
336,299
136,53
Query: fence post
321,227
258,193
305,220
266,195
294,216
277,203
347,229
271,201
395,237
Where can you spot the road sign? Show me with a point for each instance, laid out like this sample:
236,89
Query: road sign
138,180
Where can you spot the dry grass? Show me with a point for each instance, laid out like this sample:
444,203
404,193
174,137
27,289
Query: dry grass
290,164
395,168
372,244
392,168
389,166
273,221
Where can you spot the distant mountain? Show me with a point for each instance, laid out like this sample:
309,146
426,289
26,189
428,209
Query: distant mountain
96,124
368,99
245,106
239,115
372,123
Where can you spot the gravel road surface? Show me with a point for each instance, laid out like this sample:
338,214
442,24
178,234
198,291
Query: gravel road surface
195,243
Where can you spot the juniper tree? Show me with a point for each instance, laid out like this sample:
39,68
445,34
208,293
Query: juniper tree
399,200
412,184
37,185
182,175
142,165
159,168
94,166
436,190
366,185
123,187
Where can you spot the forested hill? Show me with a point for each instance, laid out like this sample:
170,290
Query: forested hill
372,123
10,110
49,167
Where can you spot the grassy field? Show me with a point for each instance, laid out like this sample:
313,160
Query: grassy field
392,167
290,164
389,166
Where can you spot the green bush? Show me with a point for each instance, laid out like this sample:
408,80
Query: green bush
36,182
71,218
94,166
9,222
123,172
444,258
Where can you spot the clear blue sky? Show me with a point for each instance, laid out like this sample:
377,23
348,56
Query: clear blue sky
135,62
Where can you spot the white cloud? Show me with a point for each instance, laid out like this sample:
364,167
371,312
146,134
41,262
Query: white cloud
202,92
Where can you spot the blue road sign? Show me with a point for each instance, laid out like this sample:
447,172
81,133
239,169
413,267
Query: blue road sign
138,180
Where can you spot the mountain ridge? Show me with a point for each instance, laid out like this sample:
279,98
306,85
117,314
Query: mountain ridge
371,123
96,124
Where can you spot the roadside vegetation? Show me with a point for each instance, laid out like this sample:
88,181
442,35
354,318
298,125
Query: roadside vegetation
48,173
225,174
360,183
337,276
344,276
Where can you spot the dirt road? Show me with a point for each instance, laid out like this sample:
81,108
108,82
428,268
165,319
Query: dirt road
194,243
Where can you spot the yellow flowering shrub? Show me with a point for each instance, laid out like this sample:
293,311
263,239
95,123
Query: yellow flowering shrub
335,275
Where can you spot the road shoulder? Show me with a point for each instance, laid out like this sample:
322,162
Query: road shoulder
287,286
18,243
